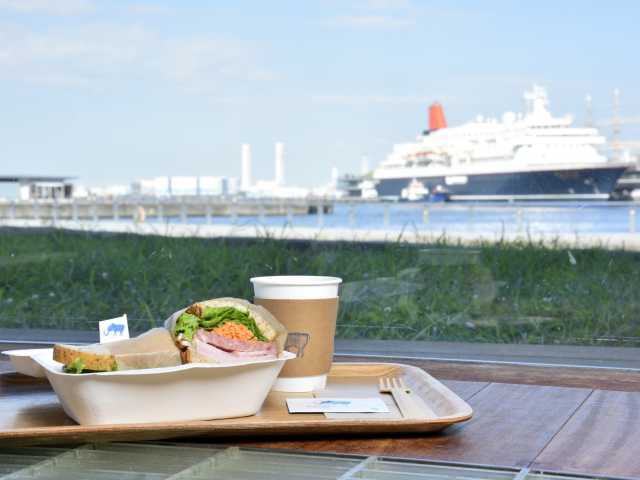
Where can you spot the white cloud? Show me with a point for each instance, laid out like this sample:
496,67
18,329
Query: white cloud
377,15
192,60
72,57
49,7
381,22
98,56
148,9
397,14
388,4
375,99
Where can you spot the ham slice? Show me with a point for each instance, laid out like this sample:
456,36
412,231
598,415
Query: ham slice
233,345
217,355
212,353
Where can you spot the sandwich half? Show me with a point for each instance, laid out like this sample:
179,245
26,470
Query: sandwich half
227,331
152,349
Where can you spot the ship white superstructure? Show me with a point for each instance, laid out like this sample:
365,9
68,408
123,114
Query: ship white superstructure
497,158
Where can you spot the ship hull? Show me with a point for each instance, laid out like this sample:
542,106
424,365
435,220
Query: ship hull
578,184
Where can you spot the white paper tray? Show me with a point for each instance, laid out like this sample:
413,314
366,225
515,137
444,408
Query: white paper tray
23,362
196,391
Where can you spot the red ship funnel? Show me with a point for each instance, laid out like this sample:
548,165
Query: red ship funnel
436,117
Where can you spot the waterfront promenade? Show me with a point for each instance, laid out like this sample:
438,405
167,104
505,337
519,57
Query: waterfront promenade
610,241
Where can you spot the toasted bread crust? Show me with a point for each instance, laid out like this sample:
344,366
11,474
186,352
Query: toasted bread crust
195,309
99,362
186,355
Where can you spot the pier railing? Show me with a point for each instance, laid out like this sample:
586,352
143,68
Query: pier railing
140,209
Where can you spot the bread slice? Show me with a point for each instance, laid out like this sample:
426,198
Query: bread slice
152,349
94,357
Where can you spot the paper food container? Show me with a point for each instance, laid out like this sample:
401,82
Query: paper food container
195,391
23,361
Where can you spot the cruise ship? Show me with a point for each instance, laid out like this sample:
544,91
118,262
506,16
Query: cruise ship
524,156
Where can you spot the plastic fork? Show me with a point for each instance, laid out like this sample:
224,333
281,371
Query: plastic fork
409,405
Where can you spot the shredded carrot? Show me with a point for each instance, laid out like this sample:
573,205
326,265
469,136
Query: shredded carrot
234,330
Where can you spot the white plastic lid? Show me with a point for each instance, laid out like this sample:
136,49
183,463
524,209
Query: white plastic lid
295,287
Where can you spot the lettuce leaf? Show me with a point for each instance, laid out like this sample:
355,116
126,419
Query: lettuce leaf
77,366
213,317
187,324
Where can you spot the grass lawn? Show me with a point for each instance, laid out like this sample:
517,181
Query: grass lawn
493,293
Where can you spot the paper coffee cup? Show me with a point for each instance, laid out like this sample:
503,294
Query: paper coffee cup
304,305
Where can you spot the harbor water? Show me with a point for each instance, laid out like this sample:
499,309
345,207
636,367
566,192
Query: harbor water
526,217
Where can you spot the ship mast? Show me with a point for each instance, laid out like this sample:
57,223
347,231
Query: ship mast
616,123
589,118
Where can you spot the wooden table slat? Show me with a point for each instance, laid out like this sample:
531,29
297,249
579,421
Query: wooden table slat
510,426
551,375
602,438
465,390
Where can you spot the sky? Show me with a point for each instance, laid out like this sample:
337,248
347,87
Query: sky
113,91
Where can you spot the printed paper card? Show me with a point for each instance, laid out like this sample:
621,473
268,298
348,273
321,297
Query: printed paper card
336,405
114,329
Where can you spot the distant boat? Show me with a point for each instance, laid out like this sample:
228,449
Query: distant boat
368,189
414,191
531,156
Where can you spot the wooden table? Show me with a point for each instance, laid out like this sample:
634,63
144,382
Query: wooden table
585,429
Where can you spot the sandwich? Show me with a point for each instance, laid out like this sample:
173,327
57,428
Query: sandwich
152,349
226,331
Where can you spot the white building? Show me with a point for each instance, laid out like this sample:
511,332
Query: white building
232,186
184,185
39,187
107,191
161,186
211,186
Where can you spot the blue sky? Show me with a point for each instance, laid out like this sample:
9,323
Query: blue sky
110,91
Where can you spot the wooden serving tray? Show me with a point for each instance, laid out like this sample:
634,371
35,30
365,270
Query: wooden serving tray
31,414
